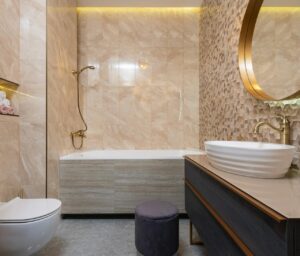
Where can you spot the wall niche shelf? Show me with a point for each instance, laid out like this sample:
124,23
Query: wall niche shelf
9,115
9,87
11,91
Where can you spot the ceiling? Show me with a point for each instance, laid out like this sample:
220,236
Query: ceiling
139,3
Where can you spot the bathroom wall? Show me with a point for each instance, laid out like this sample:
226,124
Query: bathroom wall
32,101
61,105
9,38
276,51
23,143
227,110
10,182
144,91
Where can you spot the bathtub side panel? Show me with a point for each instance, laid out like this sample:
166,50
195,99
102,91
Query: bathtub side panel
117,186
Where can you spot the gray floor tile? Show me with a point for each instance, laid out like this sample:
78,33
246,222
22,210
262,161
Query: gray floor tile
105,237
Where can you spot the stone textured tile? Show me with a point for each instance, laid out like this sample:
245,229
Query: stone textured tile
10,181
227,110
9,38
145,65
62,114
106,238
23,28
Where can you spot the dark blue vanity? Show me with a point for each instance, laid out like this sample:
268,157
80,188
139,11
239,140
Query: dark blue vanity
232,221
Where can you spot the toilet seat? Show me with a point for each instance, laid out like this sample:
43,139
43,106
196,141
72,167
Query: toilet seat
27,210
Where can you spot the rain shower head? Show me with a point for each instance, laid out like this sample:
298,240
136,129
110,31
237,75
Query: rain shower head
81,70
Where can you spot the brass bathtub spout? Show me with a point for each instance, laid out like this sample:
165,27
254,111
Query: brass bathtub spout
81,135
284,129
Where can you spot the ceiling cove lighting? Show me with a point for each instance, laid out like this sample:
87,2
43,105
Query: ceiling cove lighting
138,9
280,9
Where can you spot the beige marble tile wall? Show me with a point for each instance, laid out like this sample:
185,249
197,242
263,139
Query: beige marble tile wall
144,91
227,110
9,39
61,106
10,181
32,103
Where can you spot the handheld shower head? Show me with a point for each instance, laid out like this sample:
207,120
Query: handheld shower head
74,72
87,67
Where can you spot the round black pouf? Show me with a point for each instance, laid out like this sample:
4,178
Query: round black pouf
156,228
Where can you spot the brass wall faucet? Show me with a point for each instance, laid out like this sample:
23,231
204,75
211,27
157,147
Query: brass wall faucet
284,129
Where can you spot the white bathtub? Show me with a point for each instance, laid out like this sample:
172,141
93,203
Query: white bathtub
131,154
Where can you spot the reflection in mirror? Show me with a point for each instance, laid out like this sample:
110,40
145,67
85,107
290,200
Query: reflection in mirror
276,49
272,66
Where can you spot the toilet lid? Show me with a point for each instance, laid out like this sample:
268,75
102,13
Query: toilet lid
26,210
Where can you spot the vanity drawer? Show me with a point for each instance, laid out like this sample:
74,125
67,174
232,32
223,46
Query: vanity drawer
262,234
216,240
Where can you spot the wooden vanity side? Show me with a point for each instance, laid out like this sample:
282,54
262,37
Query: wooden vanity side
262,234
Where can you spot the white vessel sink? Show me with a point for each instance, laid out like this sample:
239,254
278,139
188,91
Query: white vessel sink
254,159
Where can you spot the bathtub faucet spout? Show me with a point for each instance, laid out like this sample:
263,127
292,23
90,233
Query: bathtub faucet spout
81,135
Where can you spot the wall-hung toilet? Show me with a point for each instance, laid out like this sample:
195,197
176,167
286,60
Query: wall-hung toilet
26,225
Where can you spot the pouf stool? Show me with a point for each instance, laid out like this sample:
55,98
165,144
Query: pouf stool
156,228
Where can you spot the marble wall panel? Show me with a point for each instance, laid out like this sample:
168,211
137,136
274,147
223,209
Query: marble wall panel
32,101
62,115
144,91
10,181
9,40
227,110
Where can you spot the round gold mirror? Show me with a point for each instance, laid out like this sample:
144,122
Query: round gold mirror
269,49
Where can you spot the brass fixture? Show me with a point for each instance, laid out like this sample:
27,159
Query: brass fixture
245,55
79,133
76,72
284,129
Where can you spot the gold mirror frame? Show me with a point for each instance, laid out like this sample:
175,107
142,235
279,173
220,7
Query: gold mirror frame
245,54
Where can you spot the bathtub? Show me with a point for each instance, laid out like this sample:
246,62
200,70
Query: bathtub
115,181
130,154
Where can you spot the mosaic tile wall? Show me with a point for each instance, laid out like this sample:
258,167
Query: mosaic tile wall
9,38
10,182
144,91
33,106
227,110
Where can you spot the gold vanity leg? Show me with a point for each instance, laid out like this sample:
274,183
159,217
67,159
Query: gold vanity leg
191,236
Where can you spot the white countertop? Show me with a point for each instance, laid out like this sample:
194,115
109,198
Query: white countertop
281,195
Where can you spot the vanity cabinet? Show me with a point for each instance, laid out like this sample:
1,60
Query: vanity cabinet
233,222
